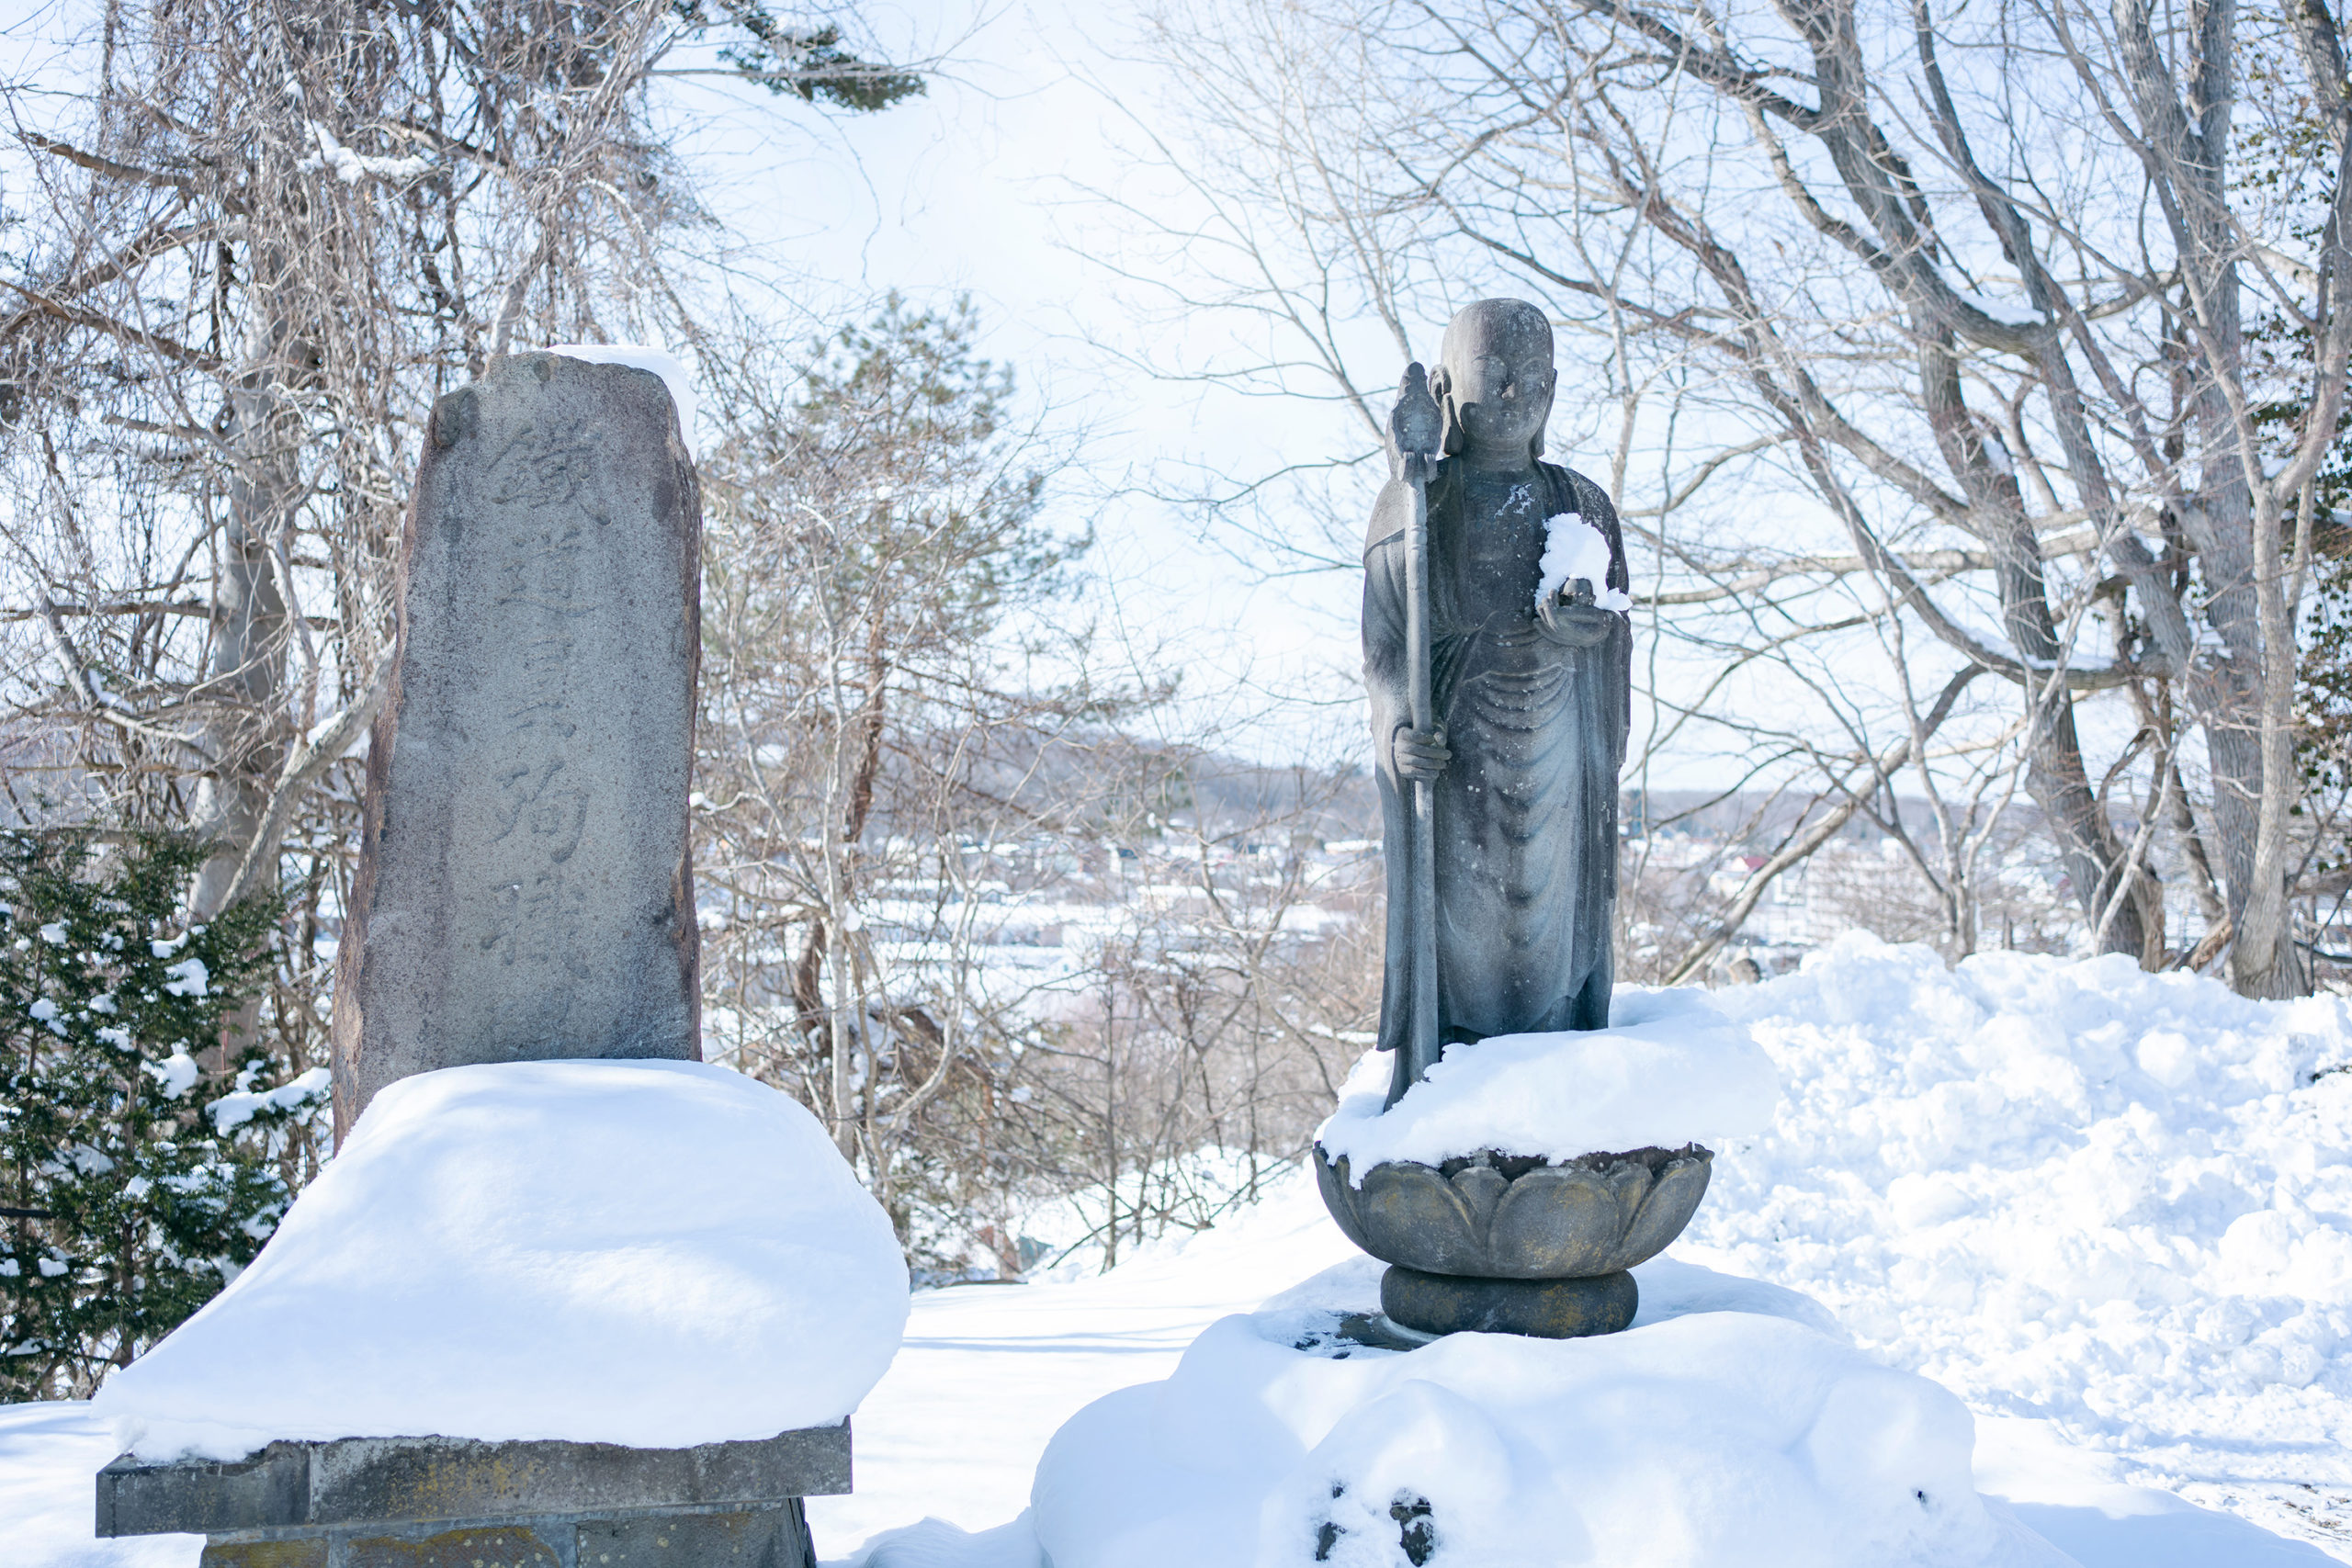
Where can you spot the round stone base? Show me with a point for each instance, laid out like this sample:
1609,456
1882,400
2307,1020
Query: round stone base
1544,1309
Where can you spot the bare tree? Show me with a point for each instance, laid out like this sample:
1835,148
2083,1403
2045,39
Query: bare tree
1233,981
887,682
252,253
1976,286
965,894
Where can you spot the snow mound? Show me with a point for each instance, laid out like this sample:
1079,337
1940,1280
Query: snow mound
1575,548
1717,1439
656,1254
2118,1200
637,357
936,1544
1670,1069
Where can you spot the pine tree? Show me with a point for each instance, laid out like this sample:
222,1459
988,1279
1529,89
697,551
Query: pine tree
134,1184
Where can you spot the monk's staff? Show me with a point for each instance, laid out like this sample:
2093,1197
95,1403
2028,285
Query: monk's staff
1415,428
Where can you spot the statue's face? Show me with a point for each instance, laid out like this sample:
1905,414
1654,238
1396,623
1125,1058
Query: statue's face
1499,379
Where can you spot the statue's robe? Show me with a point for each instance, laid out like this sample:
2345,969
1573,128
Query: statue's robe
1526,812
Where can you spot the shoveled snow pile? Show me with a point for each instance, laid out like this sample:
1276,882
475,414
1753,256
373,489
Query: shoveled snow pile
1670,1069
1574,548
2072,1190
637,357
1707,1440
657,1254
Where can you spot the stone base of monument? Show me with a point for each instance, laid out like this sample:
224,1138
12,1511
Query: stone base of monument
1544,1309
454,1503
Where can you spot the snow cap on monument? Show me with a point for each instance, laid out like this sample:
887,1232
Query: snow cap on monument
524,889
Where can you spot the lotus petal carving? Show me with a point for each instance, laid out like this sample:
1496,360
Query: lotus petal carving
1502,1217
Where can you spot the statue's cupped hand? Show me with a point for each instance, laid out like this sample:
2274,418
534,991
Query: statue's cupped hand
1577,626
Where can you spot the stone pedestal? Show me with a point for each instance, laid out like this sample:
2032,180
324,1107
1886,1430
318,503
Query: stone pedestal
1545,1309
452,1503
1497,1243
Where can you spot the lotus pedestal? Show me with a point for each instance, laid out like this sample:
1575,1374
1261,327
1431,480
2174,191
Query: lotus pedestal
1504,1244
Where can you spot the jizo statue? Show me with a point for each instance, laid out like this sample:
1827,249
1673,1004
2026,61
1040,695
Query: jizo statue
1498,723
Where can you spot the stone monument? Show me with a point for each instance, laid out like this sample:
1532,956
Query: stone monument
523,893
1499,718
525,887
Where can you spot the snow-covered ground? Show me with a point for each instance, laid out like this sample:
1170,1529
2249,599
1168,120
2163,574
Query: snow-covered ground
948,1442
2111,1211
1731,1427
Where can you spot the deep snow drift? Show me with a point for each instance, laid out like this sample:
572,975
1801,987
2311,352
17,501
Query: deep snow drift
651,1253
2115,1204
2120,1201
1670,1069
988,1375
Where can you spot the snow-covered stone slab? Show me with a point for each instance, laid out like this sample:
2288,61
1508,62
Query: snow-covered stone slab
659,1254
1669,1070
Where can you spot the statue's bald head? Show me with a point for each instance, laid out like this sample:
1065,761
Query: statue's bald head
1495,379
1510,327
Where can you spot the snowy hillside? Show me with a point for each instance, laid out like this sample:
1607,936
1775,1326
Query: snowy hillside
2118,1200
2112,1211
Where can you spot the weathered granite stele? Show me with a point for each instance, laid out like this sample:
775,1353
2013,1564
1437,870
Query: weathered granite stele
524,888
524,894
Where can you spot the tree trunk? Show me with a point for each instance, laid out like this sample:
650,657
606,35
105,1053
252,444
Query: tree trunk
246,733
2055,776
